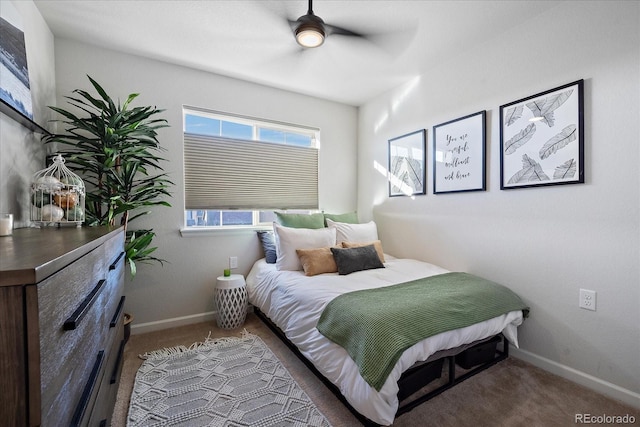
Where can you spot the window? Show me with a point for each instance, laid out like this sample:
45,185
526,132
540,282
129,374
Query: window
239,169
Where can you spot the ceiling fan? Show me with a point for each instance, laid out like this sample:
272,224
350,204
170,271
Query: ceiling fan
310,30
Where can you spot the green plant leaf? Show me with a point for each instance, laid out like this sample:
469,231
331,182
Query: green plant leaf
115,147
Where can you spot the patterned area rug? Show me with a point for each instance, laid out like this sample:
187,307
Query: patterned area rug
220,382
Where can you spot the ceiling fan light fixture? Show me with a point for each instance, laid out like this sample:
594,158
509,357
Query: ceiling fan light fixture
309,35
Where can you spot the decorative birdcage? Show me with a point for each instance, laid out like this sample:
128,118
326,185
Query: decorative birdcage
57,196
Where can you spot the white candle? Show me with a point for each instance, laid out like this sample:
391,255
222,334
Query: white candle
6,224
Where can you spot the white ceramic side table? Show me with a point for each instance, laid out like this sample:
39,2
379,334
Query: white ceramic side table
231,301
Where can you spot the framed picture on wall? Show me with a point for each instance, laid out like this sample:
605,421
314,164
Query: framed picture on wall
459,154
542,139
407,158
15,87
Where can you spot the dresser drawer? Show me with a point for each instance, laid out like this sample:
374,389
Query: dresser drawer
99,394
113,249
76,307
106,396
63,290
114,309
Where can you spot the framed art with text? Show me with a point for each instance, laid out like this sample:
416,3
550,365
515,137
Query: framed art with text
407,158
542,139
459,154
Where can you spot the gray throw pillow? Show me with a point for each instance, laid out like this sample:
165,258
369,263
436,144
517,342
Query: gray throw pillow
356,259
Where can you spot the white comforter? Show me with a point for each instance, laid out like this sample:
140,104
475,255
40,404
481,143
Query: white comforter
295,302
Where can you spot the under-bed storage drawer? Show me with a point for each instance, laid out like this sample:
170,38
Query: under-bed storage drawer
480,353
414,378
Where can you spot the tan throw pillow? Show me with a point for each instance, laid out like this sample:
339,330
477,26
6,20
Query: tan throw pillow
317,261
376,243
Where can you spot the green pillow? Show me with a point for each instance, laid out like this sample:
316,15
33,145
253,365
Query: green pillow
315,220
349,218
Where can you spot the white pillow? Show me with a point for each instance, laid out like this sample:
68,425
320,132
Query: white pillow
354,233
289,239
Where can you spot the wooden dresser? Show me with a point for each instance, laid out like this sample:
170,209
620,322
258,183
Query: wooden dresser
61,330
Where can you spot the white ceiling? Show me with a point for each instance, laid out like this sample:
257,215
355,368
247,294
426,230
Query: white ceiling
252,40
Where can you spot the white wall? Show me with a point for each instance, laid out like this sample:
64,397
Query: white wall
184,286
545,243
21,152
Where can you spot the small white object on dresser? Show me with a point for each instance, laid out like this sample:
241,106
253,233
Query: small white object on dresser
231,301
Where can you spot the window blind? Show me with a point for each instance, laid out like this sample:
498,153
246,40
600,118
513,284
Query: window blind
225,173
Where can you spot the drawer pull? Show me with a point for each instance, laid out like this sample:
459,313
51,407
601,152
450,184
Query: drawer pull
116,368
115,263
78,415
74,321
116,316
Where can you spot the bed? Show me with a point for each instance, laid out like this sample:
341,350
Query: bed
294,302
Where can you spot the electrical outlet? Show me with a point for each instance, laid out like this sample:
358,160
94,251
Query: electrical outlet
233,262
587,299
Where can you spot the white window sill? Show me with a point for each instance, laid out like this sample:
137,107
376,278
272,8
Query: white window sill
203,231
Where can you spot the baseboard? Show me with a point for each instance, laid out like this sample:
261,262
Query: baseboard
159,325
604,387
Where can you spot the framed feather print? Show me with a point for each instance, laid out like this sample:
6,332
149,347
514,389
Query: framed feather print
542,139
407,156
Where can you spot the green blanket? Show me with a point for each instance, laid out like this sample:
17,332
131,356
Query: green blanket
375,326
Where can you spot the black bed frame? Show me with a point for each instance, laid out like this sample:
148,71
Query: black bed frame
411,380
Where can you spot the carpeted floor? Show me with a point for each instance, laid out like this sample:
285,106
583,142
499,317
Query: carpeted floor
512,393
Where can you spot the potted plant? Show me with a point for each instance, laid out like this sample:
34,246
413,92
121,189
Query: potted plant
114,147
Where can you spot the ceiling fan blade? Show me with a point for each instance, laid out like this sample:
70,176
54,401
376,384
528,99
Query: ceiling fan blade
393,42
292,24
339,31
